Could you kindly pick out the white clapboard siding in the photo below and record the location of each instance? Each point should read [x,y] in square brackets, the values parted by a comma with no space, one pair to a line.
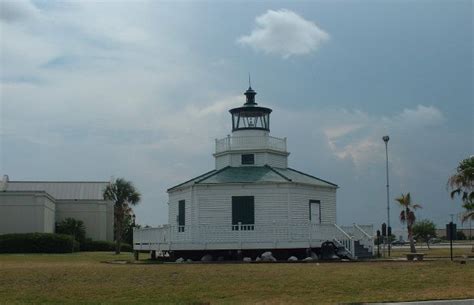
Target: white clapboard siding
[276,160]
[222,161]
[215,203]
[174,198]
[234,159]
[299,203]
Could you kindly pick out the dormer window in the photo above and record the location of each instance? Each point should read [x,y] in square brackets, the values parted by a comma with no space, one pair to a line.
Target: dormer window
[248,159]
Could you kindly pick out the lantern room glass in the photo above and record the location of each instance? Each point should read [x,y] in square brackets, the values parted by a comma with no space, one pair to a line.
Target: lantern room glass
[252,119]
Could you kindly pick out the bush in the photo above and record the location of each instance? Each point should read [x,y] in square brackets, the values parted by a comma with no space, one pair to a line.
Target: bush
[103,245]
[37,243]
[74,227]
[460,235]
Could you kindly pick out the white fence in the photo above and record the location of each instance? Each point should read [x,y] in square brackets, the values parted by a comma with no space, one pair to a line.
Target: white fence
[250,142]
[242,236]
[361,233]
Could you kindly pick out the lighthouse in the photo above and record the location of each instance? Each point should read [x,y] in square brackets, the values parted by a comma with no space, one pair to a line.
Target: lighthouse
[251,143]
[252,201]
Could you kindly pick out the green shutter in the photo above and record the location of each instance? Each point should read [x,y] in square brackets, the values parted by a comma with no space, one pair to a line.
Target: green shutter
[243,210]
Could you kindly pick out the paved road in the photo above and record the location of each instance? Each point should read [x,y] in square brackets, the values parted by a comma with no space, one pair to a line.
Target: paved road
[441,302]
[435,246]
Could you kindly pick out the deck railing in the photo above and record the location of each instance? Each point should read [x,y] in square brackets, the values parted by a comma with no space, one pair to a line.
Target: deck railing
[361,233]
[250,142]
[274,233]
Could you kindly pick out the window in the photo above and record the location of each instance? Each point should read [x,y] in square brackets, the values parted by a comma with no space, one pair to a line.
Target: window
[248,159]
[315,211]
[181,215]
[243,213]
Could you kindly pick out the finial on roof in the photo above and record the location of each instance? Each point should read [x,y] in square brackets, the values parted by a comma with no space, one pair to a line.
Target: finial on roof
[250,83]
[250,94]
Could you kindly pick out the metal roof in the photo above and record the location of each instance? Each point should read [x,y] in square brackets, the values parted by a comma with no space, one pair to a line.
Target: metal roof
[300,177]
[246,174]
[255,174]
[62,190]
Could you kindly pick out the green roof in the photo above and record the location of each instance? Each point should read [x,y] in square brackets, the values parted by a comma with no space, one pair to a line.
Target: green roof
[255,174]
[246,174]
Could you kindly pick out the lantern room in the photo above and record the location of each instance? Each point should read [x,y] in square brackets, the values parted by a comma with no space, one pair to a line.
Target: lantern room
[250,116]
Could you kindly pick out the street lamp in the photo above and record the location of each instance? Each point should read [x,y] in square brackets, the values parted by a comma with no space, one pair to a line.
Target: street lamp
[385,139]
[133,220]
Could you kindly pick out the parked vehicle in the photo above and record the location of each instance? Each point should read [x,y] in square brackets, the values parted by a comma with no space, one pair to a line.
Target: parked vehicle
[434,240]
[398,243]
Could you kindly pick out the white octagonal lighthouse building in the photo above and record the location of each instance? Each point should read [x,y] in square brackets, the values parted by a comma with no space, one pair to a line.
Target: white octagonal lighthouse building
[252,202]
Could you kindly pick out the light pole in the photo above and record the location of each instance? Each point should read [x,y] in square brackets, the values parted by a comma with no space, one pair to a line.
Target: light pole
[385,139]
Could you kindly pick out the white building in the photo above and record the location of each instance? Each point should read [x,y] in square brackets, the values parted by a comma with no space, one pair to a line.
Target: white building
[252,201]
[35,206]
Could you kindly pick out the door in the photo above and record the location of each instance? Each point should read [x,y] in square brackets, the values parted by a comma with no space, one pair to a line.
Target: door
[315,211]
[243,213]
[181,215]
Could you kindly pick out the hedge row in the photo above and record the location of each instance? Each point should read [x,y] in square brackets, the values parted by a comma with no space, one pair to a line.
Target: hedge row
[53,243]
[37,243]
[102,245]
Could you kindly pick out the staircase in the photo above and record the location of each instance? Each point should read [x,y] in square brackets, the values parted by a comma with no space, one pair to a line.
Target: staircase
[360,251]
[357,240]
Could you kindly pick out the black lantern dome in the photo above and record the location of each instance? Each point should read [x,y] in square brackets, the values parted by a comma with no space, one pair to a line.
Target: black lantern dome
[250,116]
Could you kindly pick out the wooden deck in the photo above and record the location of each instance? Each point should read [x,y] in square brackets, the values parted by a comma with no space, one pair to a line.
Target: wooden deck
[242,237]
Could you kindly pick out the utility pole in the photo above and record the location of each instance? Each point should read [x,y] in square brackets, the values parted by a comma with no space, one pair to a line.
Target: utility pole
[385,139]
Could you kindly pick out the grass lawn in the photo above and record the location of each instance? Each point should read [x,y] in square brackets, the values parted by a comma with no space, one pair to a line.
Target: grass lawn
[81,278]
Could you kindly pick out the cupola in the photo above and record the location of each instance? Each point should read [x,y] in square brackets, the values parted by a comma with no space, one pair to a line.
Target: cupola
[250,116]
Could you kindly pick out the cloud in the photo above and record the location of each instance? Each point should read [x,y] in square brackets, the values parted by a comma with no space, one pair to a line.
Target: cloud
[345,146]
[285,33]
[17,10]
[421,115]
[359,137]
[104,89]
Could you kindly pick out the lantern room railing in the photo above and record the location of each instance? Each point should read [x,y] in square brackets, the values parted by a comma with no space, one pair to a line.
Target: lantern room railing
[250,142]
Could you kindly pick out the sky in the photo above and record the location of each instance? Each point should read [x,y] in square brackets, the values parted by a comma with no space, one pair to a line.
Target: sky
[91,90]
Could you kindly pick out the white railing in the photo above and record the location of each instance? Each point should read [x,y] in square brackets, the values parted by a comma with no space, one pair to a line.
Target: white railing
[365,239]
[250,142]
[361,233]
[274,234]
[148,238]
[368,229]
[345,240]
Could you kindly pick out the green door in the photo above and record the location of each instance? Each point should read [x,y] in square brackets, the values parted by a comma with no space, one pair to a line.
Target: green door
[243,212]
[181,215]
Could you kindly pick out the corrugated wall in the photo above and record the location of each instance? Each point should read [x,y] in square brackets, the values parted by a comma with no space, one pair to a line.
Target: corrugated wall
[62,190]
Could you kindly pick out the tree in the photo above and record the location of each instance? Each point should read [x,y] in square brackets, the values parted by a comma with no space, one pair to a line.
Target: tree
[128,226]
[460,235]
[124,195]
[462,184]
[424,230]
[74,227]
[407,215]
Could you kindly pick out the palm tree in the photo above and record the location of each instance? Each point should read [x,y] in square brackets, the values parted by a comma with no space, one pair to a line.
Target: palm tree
[407,215]
[124,195]
[74,227]
[462,184]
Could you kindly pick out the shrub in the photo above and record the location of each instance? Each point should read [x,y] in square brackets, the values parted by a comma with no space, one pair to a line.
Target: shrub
[74,227]
[37,243]
[102,245]
[460,235]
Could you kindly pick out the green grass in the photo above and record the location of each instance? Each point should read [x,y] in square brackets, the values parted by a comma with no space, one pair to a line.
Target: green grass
[81,278]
